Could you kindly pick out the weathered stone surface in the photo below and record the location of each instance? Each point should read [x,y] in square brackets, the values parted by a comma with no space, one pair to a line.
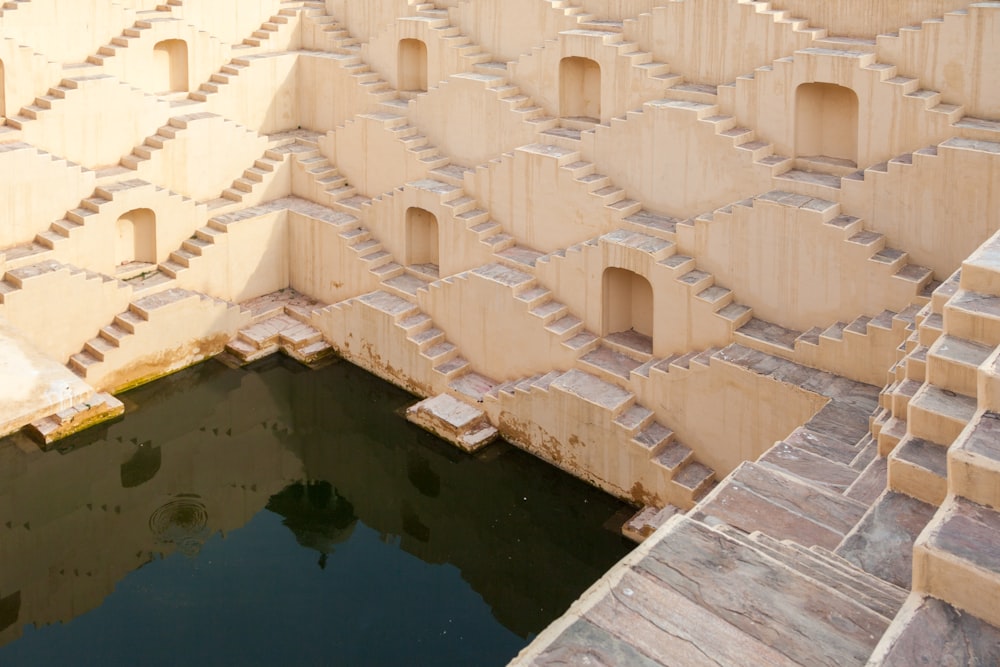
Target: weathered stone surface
[882,542]
[757,498]
[791,613]
[450,419]
[938,634]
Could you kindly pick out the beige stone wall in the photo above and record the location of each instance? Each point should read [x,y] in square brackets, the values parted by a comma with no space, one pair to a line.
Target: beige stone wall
[672,156]
[53,27]
[508,28]
[36,190]
[938,226]
[96,121]
[77,303]
[860,18]
[695,37]
[957,54]
[623,84]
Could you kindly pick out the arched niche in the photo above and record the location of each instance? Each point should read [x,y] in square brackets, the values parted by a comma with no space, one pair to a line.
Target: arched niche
[826,122]
[422,240]
[627,303]
[412,66]
[170,66]
[135,237]
[580,88]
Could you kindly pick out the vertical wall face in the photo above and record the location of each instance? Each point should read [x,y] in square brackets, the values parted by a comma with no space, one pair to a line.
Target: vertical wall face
[170,66]
[421,237]
[826,121]
[136,237]
[412,65]
[3,104]
[628,302]
[579,88]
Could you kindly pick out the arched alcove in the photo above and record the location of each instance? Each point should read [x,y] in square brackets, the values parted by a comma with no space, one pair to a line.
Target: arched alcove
[422,239]
[826,122]
[412,66]
[135,239]
[170,66]
[628,303]
[580,88]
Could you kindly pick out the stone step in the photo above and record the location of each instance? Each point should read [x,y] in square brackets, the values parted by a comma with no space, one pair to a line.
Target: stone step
[756,497]
[939,415]
[803,619]
[973,316]
[882,542]
[929,627]
[811,468]
[919,468]
[881,598]
[645,522]
[609,363]
[872,480]
[974,460]
[593,389]
[952,363]
[691,482]
[957,558]
[819,444]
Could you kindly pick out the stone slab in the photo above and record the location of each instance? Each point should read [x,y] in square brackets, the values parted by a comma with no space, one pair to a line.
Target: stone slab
[450,419]
[757,498]
[936,633]
[882,542]
[789,612]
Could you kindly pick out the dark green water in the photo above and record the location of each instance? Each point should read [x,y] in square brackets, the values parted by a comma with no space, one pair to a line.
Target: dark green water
[281,516]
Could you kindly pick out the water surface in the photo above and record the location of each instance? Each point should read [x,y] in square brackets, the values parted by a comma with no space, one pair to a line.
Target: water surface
[276,516]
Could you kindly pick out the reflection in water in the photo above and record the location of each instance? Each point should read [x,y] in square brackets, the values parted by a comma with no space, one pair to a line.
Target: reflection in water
[142,467]
[182,522]
[426,555]
[10,609]
[317,515]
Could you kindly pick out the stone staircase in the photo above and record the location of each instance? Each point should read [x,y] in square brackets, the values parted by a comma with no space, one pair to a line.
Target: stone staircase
[658,260]
[647,78]
[417,337]
[280,322]
[537,302]
[332,35]
[838,346]
[132,35]
[761,154]
[49,244]
[673,602]
[931,117]
[55,97]
[665,469]
[889,277]
[815,485]
[144,333]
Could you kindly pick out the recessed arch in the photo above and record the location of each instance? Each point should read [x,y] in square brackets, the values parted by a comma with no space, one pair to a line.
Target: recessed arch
[580,88]
[627,303]
[826,122]
[412,66]
[422,240]
[135,237]
[170,66]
